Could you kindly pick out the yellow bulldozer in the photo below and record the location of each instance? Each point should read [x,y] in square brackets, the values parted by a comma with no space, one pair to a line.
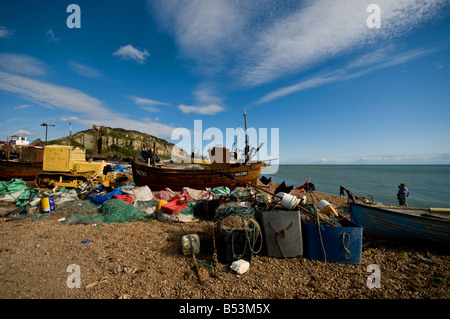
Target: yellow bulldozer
[66,166]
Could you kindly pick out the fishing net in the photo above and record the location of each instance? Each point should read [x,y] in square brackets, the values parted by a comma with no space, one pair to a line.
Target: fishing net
[238,228]
[119,211]
[79,211]
[112,211]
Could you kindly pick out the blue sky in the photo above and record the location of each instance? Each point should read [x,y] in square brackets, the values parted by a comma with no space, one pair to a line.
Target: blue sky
[337,90]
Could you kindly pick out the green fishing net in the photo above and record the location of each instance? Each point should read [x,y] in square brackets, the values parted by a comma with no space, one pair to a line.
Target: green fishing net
[112,211]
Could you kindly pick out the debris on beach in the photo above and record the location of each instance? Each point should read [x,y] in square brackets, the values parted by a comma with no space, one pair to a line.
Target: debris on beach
[245,220]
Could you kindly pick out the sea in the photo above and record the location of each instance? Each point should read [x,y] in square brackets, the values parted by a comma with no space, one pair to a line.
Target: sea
[428,185]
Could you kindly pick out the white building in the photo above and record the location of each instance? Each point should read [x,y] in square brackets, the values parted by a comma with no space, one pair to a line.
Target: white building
[18,140]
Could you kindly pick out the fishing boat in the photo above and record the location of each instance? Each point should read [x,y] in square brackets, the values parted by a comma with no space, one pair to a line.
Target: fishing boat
[27,167]
[197,176]
[403,224]
[222,169]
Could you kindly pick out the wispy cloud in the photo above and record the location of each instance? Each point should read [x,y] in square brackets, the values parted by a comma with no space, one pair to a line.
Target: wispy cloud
[148,104]
[51,95]
[129,52]
[5,33]
[254,43]
[90,110]
[20,107]
[51,37]
[144,101]
[207,102]
[79,106]
[21,64]
[85,70]
[206,94]
[22,132]
[202,109]
[382,58]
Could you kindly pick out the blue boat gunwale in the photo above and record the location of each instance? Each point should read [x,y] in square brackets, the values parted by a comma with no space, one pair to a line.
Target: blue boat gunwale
[409,212]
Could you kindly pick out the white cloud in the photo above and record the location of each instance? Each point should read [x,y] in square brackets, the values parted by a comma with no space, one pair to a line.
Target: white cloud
[84,70]
[90,110]
[327,29]
[5,33]
[201,28]
[51,95]
[21,64]
[19,107]
[258,42]
[69,118]
[207,103]
[382,58]
[202,110]
[51,37]
[22,132]
[147,104]
[205,94]
[144,101]
[128,52]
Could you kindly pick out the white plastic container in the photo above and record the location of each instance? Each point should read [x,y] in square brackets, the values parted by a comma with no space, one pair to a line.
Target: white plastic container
[240,266]
[190,244]
[288,201]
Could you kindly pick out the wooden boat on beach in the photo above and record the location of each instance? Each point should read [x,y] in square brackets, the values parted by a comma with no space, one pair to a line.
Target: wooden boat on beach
[176,177]
[222,169]
[403,224]
[27,167]
[17,169]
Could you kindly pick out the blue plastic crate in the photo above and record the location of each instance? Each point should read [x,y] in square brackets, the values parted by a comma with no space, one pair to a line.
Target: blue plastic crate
[342,244]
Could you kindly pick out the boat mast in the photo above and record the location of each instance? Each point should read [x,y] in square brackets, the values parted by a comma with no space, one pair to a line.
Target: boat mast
[246,137]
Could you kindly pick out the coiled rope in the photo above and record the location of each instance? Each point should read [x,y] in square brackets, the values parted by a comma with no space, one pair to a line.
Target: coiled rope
[248,224]
[252,233]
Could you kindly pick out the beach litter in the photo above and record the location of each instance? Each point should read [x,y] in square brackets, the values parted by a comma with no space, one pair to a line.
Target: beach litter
[238,232]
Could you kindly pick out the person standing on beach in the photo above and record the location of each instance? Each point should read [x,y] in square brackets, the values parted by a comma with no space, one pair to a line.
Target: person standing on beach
[402,195]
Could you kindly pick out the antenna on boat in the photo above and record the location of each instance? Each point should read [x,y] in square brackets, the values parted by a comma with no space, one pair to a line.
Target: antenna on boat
[246,137]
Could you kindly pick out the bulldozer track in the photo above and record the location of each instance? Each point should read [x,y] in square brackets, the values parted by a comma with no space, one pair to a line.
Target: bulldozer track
[46,180]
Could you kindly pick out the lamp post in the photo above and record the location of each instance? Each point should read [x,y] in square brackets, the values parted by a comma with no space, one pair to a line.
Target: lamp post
[46,126]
